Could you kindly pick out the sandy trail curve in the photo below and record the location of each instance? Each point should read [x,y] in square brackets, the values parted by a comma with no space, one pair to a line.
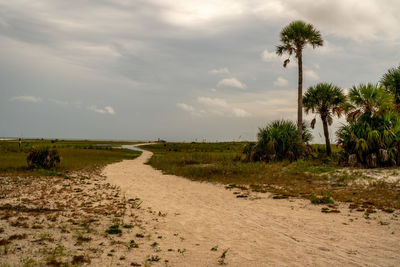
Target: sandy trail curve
[261,232]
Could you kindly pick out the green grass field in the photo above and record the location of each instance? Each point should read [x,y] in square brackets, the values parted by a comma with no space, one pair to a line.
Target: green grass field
[317,176]
[75,155]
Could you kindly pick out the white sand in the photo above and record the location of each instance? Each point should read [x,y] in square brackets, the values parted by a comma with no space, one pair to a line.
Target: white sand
[261,232]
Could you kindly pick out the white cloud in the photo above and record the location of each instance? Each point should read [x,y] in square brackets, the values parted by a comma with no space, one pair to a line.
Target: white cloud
[109,110]
[232,82]
[241,113]
[214,107]
[269,56]
[219,102]
[219,71]
[26,98]
[185,107]
[105,110]
[220,107]
[280,82]
[311,75]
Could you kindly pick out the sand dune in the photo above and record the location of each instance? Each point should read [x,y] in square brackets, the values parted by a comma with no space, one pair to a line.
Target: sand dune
[259,232]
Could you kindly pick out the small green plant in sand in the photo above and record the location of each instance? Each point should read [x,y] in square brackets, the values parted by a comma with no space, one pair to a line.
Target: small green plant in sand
[321,200]
[150,259]
[221,260]
[182,251]
[133,244]
[114,230]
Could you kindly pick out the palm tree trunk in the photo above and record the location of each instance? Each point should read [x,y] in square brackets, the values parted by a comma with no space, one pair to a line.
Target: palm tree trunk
[326,133]
[300,96]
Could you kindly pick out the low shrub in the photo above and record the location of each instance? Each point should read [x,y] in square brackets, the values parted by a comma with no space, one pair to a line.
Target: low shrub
[43,157]
[114,230]
[321,200]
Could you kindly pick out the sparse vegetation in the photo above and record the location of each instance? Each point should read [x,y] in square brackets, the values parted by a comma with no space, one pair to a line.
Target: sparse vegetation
[56,211]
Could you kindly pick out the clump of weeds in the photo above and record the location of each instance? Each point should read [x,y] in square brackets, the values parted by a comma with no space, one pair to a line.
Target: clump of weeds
[222,258]
[114,230]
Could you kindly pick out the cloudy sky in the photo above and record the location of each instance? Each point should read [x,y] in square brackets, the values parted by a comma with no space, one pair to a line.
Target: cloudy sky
[176,69]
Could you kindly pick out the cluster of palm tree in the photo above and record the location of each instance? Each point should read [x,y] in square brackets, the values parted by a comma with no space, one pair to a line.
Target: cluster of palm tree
[372,132]
[371,136]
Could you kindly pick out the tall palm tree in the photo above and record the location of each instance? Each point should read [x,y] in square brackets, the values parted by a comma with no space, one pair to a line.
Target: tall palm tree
[325,99]
[391,81]
[294,37]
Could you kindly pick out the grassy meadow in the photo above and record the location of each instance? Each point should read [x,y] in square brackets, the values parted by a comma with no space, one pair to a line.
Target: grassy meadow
[318,178]
[75,155]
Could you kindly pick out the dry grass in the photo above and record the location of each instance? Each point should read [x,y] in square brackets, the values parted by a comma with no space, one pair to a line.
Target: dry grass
[77,155]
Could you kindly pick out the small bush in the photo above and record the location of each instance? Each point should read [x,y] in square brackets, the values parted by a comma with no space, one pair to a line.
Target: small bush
[43,157]
[321,200]
[114,230]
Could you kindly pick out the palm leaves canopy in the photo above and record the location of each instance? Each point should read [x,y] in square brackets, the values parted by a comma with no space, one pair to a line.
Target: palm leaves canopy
[279,138]
[391,81]
[327,100]
[368,100]
[294,37]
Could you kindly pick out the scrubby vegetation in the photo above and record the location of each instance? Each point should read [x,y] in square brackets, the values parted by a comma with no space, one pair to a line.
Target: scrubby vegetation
[43,157]
[65,155]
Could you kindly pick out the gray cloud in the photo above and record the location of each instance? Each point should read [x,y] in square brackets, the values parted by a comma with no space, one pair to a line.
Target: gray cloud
[106,110]
[26,98]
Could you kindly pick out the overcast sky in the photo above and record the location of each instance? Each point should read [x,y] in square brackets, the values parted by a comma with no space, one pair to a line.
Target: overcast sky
[177,69]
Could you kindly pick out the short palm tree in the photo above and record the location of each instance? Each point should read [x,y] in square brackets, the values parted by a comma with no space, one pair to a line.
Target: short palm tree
[327,100]
[391,81]
[294,37]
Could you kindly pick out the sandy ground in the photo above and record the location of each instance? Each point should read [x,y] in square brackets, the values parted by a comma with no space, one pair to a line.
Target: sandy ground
[257,231]
[64,221]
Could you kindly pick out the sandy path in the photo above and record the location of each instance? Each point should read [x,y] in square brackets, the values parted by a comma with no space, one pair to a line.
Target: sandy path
[261,232]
